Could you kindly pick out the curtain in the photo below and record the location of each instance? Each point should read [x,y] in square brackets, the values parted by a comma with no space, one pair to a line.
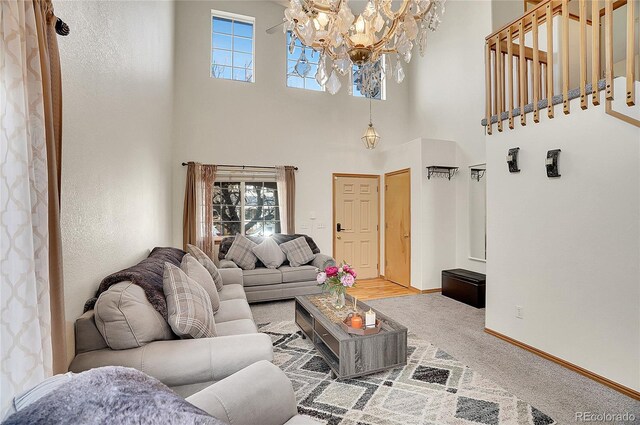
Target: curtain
[28,197]
[205,238]
[282,198]
[52,97]
[197,217]
[286,181]
[190,211]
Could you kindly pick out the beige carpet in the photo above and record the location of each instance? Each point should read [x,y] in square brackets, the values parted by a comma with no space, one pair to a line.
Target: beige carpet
[458,329]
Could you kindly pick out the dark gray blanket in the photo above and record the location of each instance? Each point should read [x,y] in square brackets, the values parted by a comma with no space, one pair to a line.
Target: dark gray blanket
[111,395]
[147,274]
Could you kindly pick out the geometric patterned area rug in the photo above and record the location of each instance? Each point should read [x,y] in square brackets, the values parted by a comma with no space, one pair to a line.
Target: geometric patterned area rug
[433,388]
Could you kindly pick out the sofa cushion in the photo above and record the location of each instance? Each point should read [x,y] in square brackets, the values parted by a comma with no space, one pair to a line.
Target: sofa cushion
[261,276]
[188,305]
[126,319]
[280,238]
[207,262]
[233,310]
[241,253]
[298,252]
[298,274]
[237,327]
[269,253]
[196,271]
[232,292]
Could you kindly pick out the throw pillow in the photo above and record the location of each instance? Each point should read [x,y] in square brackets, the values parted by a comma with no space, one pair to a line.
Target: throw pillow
[188,305]
[196,271]
[298,252]
[241,253]
[269,253]
[208,264]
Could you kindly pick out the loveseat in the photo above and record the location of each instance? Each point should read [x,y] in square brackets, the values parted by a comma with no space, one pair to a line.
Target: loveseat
[265,284]
[185,365]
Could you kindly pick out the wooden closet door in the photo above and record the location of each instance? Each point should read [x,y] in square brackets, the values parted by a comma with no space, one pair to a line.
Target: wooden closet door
[397,229]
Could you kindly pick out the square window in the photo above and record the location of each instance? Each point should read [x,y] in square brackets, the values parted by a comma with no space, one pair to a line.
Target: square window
[232,46]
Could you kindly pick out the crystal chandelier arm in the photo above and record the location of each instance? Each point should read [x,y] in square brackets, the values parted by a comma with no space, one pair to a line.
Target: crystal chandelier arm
[394,26]
[377,47]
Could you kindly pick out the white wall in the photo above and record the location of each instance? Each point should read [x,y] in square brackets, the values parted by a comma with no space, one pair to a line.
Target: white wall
[116,174]
[266,123]
[447,97]
[568,250]
[432,202]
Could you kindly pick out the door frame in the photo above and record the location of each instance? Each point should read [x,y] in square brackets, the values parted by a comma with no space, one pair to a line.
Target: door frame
[333,209]
[393,173]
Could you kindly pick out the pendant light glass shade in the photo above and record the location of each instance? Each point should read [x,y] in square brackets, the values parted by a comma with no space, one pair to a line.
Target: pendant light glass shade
[370,137]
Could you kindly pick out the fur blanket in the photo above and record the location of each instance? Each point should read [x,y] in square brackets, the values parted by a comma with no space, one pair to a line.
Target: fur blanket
[111,395]
[147,274]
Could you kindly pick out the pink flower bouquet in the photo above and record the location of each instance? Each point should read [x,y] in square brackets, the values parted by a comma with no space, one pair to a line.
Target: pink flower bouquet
[336,280]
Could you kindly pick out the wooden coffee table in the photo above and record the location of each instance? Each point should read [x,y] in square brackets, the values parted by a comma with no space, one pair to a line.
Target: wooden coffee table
[349,355]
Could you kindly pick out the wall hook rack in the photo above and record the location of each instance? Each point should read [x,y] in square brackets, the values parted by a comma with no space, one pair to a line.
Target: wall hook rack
[477,173]
[441,171]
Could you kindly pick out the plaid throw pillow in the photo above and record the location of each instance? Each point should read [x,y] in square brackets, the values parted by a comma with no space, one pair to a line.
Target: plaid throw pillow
[196,271]
[241,253]
[208,264]
[188,305]
[298,252]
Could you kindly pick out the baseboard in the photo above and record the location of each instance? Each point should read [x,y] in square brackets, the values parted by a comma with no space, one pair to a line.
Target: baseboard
[431,291]
[582,371]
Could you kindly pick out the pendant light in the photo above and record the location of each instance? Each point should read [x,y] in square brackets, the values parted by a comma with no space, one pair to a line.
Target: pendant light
[371,136]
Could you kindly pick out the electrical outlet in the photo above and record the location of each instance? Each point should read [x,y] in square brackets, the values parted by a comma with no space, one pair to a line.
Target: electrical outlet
[304,226]
[321,226]
[519,312]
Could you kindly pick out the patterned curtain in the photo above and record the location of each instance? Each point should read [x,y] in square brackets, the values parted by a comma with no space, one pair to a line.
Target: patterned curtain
[25,313]
[197,217]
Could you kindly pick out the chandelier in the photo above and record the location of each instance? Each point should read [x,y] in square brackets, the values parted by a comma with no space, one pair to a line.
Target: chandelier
[369,40]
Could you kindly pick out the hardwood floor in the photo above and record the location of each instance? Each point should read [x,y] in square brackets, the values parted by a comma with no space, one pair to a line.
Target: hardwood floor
[373,289]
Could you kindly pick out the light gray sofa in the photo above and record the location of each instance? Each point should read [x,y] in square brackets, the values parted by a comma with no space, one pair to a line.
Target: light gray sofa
[285,282]
[185,365]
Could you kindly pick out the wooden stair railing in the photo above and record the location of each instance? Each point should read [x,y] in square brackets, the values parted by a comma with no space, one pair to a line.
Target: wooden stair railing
[506,53]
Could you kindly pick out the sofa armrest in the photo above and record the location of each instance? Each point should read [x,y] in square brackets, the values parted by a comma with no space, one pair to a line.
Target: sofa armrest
[231,276]
[323,260]
[258,394]
[185,361]
[228,264]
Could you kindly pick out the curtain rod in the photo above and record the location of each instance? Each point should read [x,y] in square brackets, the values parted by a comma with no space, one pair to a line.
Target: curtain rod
[241,166]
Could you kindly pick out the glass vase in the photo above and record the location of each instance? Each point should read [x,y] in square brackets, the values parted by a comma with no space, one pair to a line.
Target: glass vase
[339,300]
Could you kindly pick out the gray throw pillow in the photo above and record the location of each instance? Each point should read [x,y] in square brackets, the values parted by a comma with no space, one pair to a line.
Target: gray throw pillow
[269,253]
[208,264]
[188,305]
[241,253]
[196,271]
[298,252]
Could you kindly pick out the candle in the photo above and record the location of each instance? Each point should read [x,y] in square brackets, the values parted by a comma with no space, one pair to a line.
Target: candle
[370,318]
[356,322]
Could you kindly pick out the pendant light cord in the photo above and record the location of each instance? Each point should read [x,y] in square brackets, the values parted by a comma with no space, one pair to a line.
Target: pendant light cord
[370,121]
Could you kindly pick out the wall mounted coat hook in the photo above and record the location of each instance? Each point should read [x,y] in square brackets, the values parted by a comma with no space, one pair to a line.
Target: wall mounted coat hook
[62,28]
[512,160]
[552,163]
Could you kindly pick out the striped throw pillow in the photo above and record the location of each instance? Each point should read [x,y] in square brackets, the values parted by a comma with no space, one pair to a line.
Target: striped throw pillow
[208,264]
[241,253]
[188,305]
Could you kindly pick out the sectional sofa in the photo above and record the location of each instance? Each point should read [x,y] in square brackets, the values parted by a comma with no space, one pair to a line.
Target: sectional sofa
[185,365]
